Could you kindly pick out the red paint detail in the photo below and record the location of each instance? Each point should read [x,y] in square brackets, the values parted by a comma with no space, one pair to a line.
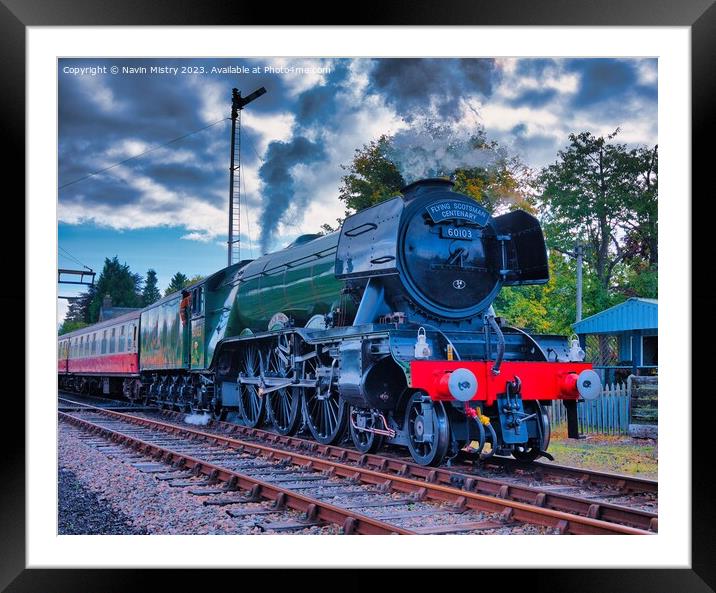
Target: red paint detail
[442,387]
[540,380]
[123,363]
[568,385]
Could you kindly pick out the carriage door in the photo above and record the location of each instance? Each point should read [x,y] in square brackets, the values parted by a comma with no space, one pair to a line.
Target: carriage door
[197,327]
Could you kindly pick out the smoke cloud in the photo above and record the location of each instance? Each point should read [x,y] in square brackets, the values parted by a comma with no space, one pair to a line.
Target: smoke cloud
[276,174]
[432,150]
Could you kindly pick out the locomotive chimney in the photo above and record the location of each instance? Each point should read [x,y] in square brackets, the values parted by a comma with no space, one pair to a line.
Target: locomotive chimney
[107,302]
[419,188]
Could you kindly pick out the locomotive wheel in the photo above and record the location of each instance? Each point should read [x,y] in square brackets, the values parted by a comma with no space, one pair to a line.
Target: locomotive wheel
[428,430]
[325,412]
[251,404]
[283,406]
[526,454]
[364,441]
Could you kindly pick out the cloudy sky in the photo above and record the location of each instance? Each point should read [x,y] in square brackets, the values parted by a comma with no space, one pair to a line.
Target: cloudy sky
[168,209]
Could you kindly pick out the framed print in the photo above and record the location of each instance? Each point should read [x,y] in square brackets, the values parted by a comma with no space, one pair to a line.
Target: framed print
[310,286]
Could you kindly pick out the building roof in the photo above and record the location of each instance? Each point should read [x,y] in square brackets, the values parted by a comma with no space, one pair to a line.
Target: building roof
[632,314]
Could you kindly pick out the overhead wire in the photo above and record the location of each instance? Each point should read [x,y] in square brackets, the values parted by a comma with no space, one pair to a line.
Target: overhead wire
[141,154]
[71,257]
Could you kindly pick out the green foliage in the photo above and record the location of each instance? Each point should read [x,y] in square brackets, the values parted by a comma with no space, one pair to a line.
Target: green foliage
[70,326]
[372,177]
[551,308]
[177,282]
[117,281]
[604,195]
[150,293]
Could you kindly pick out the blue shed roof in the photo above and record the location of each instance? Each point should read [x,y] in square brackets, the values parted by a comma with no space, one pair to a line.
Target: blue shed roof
[632,314]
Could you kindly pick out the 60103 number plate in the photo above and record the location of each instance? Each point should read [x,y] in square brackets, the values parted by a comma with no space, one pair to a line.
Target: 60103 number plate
[457,232]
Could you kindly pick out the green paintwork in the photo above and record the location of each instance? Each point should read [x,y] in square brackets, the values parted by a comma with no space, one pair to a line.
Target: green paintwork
[298,281]
[218,296]
[163,336]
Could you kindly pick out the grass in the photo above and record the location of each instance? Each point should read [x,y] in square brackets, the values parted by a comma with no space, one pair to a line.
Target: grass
[612,453]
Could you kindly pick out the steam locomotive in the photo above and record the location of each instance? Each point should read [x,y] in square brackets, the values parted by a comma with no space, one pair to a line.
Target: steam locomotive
[383,330]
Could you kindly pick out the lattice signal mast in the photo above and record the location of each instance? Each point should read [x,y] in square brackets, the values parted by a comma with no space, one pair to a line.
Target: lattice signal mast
[237,104]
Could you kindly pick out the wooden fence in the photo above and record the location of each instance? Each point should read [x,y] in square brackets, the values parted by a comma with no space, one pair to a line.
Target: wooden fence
[607,414]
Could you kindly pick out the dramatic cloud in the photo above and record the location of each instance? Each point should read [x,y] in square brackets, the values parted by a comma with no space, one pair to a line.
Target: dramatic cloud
[417,86]
[316,113]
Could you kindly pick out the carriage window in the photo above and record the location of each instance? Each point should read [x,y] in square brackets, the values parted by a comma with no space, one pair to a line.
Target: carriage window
[104,341]
[94,343]
[130,338]
[122,339]
[80,349]
[112,342]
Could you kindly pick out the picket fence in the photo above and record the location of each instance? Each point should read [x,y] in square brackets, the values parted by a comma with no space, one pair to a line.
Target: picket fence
[606,414]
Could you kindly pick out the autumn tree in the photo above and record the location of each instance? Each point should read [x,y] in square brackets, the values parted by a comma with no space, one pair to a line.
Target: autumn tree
[370,178]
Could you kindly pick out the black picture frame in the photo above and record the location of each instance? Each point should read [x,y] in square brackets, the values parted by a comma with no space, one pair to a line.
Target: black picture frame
[699,15]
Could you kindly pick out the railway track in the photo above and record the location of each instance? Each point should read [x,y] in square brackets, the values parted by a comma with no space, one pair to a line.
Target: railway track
[75,401]
[584,492]
[354,496]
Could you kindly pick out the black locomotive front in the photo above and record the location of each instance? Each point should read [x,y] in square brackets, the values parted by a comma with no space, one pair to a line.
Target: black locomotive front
[438,253]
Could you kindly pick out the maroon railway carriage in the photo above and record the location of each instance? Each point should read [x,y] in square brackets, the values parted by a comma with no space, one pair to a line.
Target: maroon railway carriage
[102,357]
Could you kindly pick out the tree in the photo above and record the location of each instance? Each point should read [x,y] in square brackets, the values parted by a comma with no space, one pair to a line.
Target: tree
[177,282]
[70,326]
[79,308]
[598,192]
[150,293]
[642,230]
[371,177]
[117,281]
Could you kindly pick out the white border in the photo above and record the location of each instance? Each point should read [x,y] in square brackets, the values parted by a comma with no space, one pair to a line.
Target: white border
[670,548]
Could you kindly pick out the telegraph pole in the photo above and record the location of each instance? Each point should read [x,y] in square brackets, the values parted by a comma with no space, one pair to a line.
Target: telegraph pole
[579,254]
[237,104]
